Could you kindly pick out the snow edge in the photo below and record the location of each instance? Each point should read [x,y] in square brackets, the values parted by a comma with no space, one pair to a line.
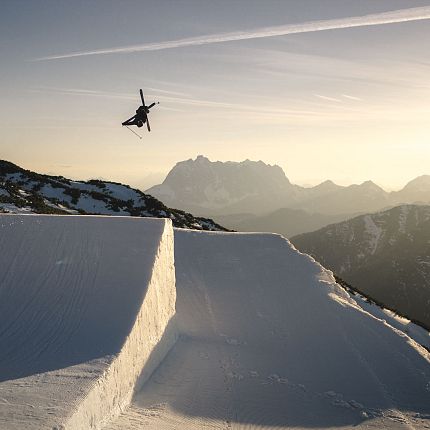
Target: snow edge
[152,336]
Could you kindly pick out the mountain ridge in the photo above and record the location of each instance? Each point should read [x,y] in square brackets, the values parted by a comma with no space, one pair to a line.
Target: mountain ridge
[25,191]
[285,221]
[204,184]
[227,188]
[385,255]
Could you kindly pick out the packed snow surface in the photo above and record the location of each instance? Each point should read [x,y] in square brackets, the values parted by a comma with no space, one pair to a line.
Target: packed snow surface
[268,340]
[89,316]
[86,307]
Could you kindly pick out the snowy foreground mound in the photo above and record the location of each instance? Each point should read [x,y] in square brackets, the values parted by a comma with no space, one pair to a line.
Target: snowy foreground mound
[266,338]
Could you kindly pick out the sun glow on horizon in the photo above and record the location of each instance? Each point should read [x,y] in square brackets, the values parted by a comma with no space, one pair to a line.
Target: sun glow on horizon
[350,104]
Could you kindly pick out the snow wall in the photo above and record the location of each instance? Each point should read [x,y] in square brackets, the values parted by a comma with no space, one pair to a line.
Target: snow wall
[270,341]
[87,309]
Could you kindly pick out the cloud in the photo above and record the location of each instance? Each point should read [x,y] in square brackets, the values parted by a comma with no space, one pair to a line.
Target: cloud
[347,96]
[83,92]
[396,16]
[168,92]
[178,103]
[331,99]
[334,112]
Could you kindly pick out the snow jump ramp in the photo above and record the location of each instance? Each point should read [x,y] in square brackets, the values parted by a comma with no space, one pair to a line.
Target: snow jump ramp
[86,314]
[269,341]
[88,334]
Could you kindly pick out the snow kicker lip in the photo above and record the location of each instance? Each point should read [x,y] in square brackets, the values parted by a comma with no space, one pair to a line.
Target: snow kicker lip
[88,313]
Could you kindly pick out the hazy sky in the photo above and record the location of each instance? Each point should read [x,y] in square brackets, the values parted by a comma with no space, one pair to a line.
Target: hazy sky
[347,103]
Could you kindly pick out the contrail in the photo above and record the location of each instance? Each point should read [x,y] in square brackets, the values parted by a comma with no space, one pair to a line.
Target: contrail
[331,99]
[395,16]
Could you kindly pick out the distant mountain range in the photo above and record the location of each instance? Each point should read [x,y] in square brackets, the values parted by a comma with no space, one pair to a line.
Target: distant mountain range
[24,191]
[249,187]
[285,221]
[385,255]
[203,186]
[416,191]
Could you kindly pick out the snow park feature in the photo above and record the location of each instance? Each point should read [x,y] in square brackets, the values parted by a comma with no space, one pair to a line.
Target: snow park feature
[121,323]
[269,340]
[86,314]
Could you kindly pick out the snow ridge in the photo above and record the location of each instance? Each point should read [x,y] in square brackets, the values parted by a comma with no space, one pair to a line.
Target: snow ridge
[153,334]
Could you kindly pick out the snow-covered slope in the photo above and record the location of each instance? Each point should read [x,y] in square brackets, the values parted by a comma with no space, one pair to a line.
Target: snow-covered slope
[414,331]
[268,340]
[385,255]
[86,314]
[24,191]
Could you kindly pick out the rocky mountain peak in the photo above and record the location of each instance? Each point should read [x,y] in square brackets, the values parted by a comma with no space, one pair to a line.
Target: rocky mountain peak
[419,183]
